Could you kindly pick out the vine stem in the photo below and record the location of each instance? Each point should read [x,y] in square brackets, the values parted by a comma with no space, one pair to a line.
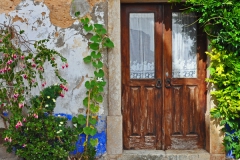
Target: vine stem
[88,113]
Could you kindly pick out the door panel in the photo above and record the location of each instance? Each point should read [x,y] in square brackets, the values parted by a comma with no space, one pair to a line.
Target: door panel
[162,108]
[141,99]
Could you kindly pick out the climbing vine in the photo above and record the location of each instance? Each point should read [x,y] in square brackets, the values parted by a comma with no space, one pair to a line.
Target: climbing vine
[99,42]
[220,21]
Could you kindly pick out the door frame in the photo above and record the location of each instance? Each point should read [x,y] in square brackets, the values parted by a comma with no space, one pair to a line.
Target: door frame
[114,119]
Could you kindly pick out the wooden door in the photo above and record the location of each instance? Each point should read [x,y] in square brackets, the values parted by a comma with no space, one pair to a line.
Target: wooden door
[163,79]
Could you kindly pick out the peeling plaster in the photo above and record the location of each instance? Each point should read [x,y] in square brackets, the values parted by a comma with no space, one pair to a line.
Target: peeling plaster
[60,12]
[94,2]
[7,6]
[16,18]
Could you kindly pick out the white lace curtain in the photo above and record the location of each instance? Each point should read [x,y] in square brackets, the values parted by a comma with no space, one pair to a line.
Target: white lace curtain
[142,45]
[184,45]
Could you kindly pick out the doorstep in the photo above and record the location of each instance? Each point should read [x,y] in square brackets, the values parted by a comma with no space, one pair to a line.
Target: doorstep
[199,154]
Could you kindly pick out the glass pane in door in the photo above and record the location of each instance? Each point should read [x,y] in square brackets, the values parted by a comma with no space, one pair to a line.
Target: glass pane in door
[184,45]
[142,63]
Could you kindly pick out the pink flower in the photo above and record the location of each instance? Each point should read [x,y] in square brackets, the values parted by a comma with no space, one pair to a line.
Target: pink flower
[15,95]
[20,105]
[61,86]
[9,68]
[1,41]
[14,56]
[19,124]
[35,115]
[40,68]
[25,76]
[61,94]
[5,69]
[63,67]
[66,65]
[33,65]
[10,140]
[44,84]
[22,57]
[6,139]
[9,62]
[24,120]
[24,145]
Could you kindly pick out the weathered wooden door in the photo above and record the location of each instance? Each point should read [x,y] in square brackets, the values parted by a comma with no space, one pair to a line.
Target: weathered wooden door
[163,78]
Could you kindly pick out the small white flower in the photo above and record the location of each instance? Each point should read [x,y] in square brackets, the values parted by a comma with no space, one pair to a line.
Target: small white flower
[61,122]
[99,79]
[53,100]
[75,125]
[46,105]
[59,131]
[48,97]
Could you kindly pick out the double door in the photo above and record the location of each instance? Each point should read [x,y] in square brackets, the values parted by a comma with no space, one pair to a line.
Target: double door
[163,78]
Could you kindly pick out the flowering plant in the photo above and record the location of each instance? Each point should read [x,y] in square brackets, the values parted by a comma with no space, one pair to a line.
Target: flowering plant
[33,133]
[40,135]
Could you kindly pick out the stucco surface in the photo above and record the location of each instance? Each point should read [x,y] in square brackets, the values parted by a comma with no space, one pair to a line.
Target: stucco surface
[51,19]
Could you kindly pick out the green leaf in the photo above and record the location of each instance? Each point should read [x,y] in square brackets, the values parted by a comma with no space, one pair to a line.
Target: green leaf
[85,20]
[97,64]
[88,85]
[94,142]
[96,56]
[98,26]
[103,83]
[92,121]
[100,73]
[101,31]
[90,131]
[77,14]
[21,31]
[81,119]
[87,27]
[94,109]
[87,59]
[99,98]
[94,46]
[96,38]
[108,43]
[74,120]
[85,101]
[100,89]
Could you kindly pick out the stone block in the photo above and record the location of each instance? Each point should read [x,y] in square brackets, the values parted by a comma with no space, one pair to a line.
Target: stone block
[143,154]
[114,135]
[217,157]
[216,137]
[114,58]
[187,155]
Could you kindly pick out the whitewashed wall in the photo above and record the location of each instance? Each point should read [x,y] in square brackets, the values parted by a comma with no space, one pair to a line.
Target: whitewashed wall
[52,19]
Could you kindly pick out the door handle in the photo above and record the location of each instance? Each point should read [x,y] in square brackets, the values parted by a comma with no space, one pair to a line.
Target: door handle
[168,83]
[159,84]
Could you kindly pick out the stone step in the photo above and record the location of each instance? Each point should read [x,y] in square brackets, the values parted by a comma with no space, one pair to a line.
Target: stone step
[165,155]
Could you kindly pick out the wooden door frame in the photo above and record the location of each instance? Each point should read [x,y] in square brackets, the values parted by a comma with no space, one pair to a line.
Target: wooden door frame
[114,119]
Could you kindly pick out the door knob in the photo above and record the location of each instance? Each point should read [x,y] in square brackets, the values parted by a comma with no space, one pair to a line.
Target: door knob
[168,83]
[159,84]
